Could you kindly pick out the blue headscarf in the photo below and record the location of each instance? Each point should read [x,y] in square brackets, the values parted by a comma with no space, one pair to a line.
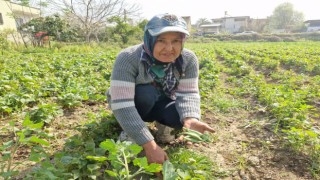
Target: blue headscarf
[148,44]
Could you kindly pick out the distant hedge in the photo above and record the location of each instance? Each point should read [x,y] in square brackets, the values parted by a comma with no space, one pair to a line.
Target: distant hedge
[288,37]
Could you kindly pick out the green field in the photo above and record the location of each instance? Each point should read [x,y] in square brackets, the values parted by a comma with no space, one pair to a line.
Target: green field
[54,114]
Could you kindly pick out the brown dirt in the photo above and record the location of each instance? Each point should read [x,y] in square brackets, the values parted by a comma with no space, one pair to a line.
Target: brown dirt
[246,148]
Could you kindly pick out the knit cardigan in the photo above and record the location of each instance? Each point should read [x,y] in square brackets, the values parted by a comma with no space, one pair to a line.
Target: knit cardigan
[129,71]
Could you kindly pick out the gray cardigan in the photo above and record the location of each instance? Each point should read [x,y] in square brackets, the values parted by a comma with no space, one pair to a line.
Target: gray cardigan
[129,71]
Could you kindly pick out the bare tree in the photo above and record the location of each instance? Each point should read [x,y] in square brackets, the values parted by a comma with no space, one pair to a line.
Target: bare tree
[203,21]
[257,25]
[91,15]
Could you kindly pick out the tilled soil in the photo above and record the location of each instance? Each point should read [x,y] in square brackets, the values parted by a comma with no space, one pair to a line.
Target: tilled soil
[247,148]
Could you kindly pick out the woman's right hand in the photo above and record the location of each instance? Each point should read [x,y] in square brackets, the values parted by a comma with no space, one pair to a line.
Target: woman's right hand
[154,153]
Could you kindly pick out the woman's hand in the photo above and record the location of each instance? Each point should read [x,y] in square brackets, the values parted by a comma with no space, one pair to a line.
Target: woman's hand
[195,124]
[154,153]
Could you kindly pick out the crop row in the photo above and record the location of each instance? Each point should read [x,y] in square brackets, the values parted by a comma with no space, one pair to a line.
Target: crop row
[289,94]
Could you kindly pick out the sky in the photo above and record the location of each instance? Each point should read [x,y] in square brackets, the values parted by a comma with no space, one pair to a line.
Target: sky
[211,9]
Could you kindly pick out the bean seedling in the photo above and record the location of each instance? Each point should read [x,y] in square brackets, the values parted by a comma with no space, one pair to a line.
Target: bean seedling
[195,136]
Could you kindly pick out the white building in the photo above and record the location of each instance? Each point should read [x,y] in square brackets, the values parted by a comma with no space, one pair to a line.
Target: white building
[207,29]
[233,24]
[13,15]
[312,25]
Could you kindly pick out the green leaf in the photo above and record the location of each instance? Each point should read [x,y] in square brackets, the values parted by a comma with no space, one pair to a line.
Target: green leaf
[66,160]
[76,173]
[28,123]
[47,164]
[168,171]
[7,109]
[135,149]
[183,174]
[6,145]
[123,172]
[154,167]
[111,173]
[38,140]
[21,136]
[8,174]
[35,156]
[97,158]
[141,162]
[6,155]
[312,133]
[49,175]
[90,145]
[109,145]
[93,167]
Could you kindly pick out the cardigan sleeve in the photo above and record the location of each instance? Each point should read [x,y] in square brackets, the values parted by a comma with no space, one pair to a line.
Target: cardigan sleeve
[187,93]
[122,91]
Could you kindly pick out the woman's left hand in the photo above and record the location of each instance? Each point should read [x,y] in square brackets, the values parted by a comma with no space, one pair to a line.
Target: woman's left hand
[195,124]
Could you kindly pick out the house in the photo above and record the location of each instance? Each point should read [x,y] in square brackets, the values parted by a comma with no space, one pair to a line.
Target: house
[13,15]
[227,24]
[206,29]
[233,24]
[312,25]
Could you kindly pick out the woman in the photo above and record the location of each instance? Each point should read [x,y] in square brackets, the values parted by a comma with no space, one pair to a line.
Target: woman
[157,81]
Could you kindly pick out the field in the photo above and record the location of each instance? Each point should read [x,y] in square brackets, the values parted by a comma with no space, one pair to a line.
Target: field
[263,99]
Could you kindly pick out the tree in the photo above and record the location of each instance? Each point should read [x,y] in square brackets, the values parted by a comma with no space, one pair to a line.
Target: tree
[4,43]
[53,26]
[92,15]
[142,24]
[123,31]
[285,17]
[202,21]
[257,25]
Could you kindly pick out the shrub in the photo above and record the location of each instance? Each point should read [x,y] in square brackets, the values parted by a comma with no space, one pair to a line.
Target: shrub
[273,39]
[4,44]
[289,39]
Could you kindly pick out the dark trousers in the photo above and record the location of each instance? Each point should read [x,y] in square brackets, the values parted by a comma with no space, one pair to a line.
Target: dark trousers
[153,107]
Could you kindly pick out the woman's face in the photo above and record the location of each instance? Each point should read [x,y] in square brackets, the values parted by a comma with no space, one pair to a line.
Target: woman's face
[168,47]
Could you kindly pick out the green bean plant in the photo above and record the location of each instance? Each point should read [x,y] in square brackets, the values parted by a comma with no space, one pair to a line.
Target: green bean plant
[31,136]
[123,157]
